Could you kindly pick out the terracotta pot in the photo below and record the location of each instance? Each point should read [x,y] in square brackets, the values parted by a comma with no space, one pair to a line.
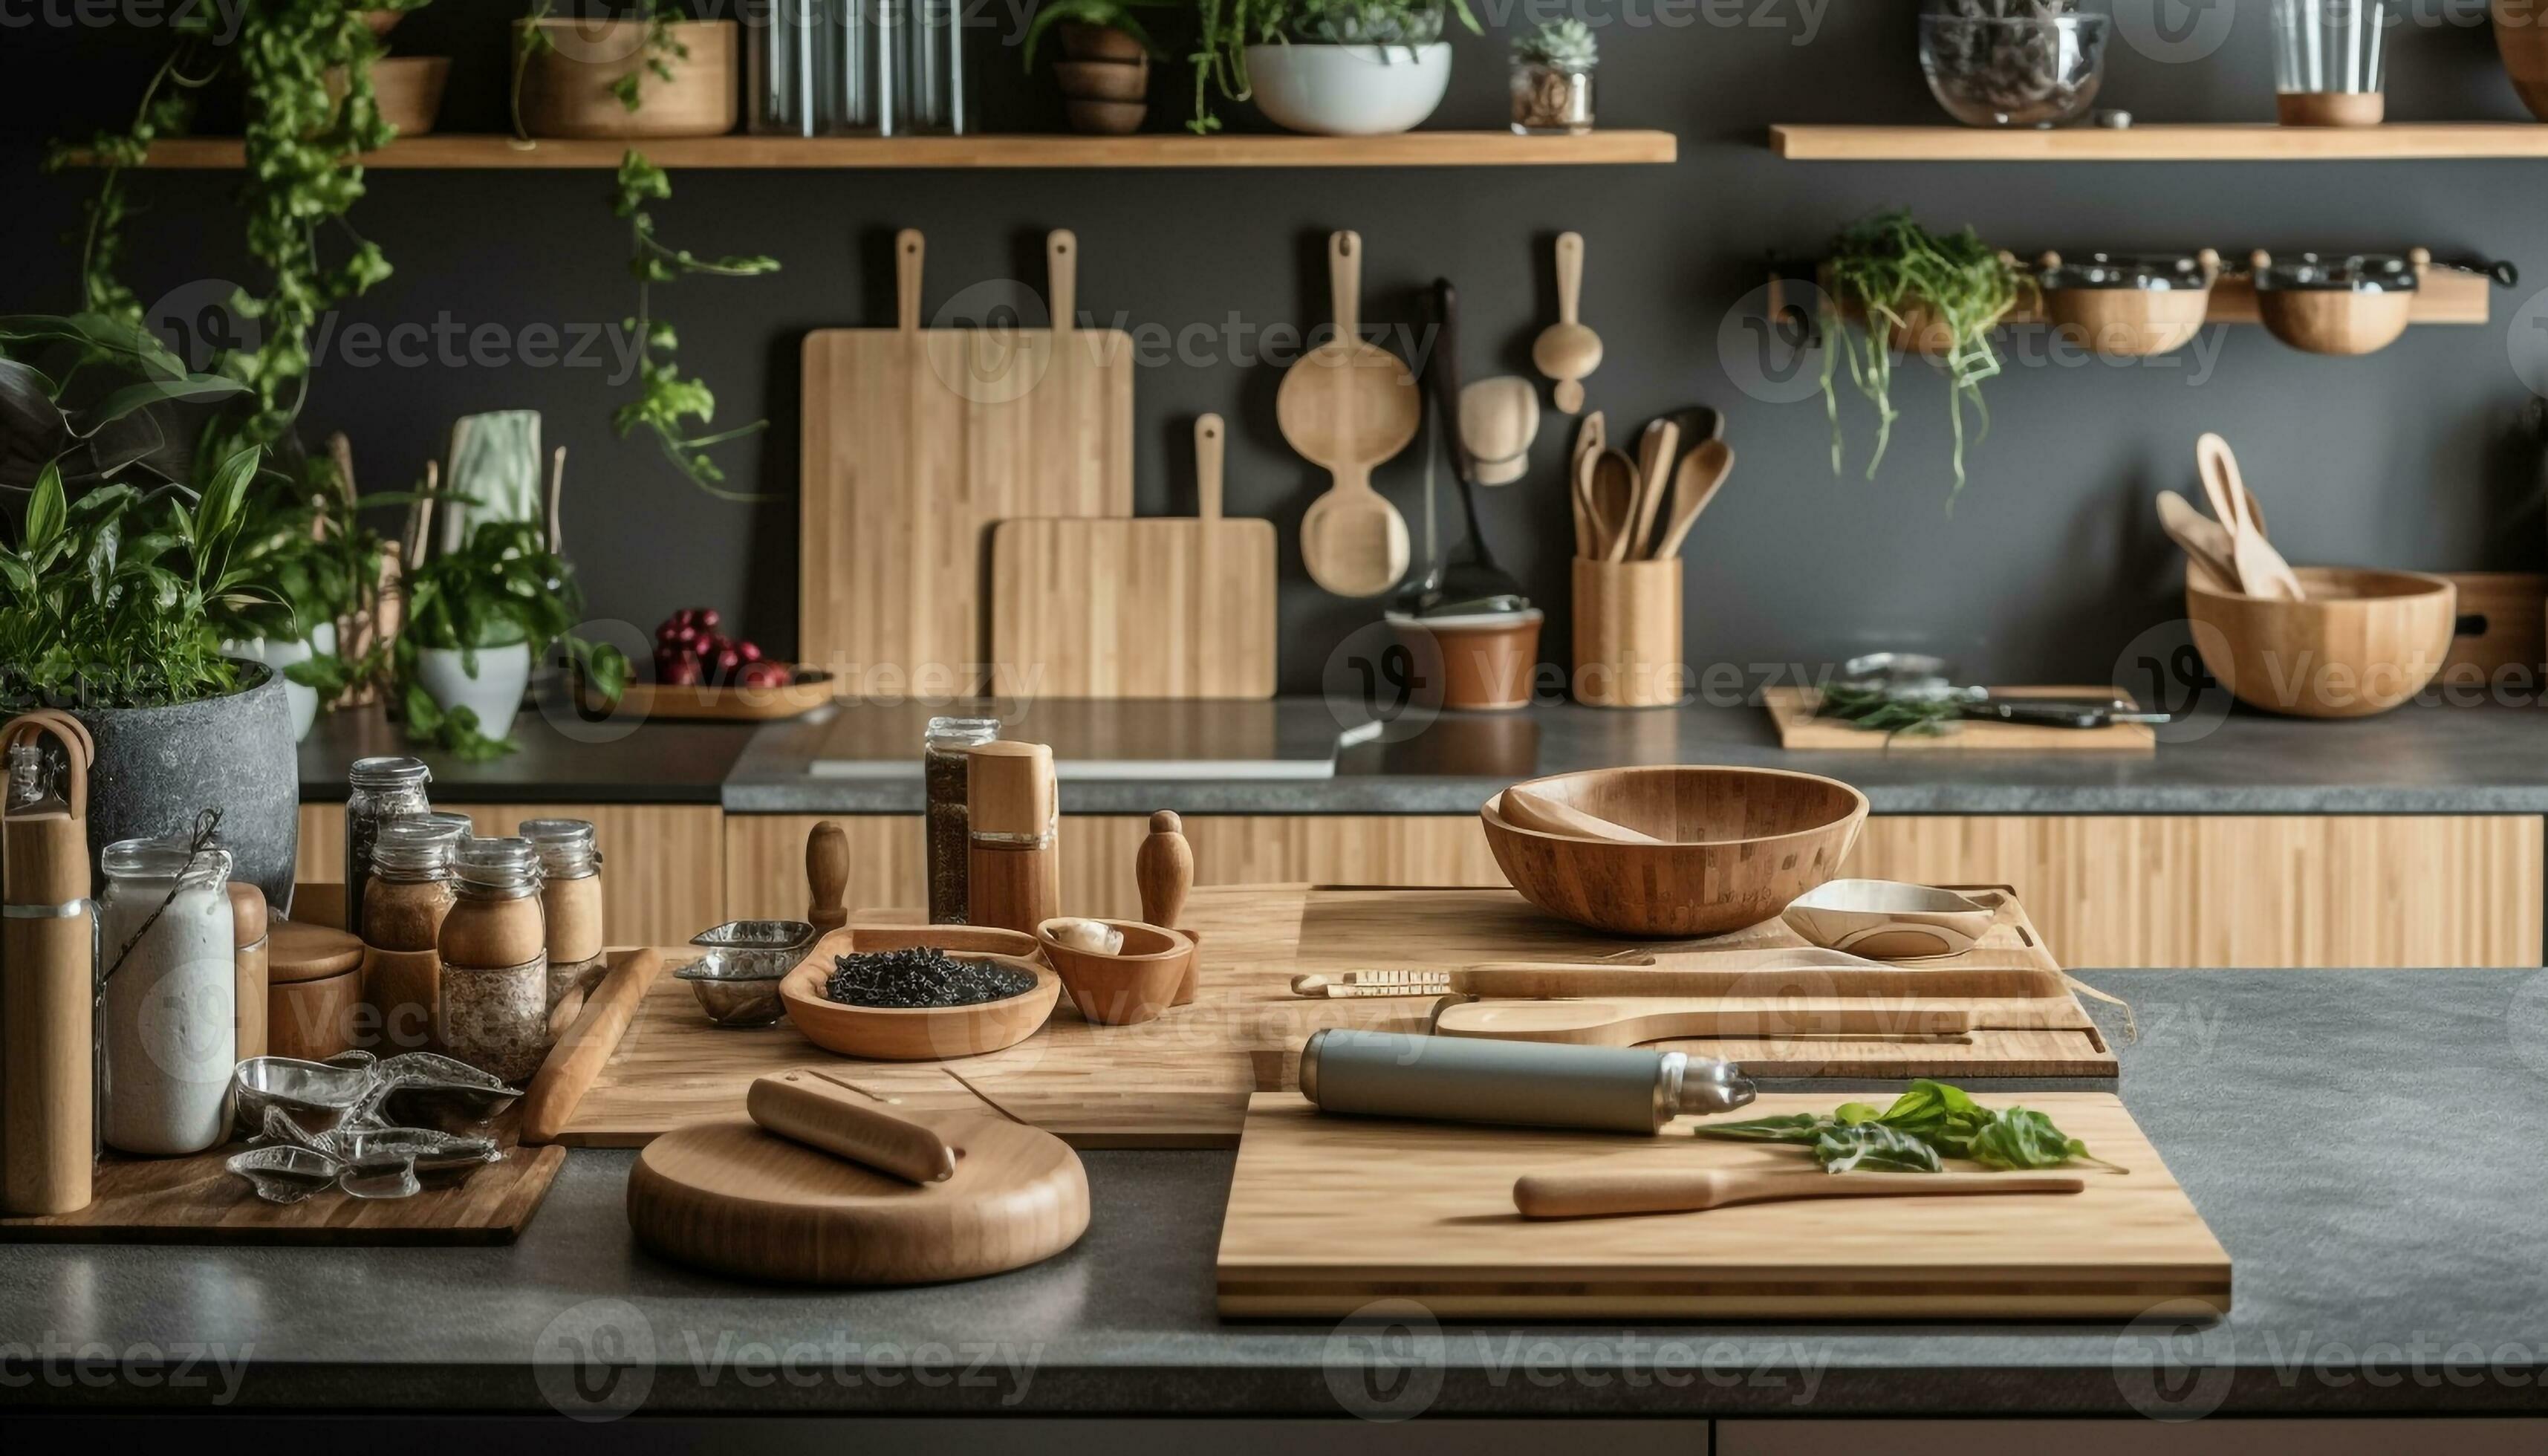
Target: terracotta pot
[566,85]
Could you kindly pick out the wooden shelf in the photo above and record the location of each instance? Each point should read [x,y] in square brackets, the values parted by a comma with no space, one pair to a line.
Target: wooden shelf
[2215,143]
[1409,149]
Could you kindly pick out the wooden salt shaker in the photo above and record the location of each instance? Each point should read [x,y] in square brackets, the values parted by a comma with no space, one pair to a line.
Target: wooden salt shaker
[1014,808]
[827,877]
[1164,872]
[249,935]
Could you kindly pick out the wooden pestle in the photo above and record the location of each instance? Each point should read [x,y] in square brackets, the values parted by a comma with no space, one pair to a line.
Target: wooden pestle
[1163,872]
[827,877]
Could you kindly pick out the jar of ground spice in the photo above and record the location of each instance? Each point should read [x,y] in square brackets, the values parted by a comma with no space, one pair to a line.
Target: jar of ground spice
[946,770]
[570,888]
[495,1010]
[378,790]
[410,889]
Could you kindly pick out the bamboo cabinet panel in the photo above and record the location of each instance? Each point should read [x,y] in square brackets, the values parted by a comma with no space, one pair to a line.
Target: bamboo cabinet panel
[2123,892]
[663,866]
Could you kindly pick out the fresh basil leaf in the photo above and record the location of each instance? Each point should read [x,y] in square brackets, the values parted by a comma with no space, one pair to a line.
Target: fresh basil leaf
[1875,1148]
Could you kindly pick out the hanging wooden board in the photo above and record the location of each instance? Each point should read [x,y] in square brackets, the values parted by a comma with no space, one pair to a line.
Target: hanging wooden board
[1184,1079]
[915,442]
[1799,731]
[1328,1214]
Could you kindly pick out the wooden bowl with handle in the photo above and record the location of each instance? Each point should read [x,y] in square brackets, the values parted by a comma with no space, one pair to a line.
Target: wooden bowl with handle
[1740,844]
[2363,643]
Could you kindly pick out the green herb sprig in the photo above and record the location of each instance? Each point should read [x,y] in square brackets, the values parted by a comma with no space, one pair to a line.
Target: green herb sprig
[1936,1119]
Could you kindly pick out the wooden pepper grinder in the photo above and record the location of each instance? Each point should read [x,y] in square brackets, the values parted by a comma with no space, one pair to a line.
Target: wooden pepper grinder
[248,936]
[47,1096]
[1014,809]
[1164,872]
[827,877]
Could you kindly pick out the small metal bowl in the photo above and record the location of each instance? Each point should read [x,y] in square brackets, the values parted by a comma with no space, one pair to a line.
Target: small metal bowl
[420,1089]
[317,1097]
[745,948]
[286,1174]
[736,988]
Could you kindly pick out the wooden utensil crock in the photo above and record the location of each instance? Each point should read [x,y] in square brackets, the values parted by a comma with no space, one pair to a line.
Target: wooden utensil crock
[566,83]
[2363,643]
[48,992]
[1627,634]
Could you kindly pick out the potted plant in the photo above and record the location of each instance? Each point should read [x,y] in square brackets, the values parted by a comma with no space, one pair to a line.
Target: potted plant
[1105,68]
[1552,80]
[582,76]
[477,618]
[1332,68]
[1912,292]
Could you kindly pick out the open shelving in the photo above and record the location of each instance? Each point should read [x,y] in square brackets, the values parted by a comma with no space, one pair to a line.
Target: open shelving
[2235,142]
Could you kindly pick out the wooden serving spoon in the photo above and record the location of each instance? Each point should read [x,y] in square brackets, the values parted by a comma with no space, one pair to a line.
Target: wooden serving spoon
[2260,570]
[1630,1022]
[1657,449]
[1566,351]
[1522,809]
[1701,475]
[1590,439]
[1695,1189]
[1612,497]
[1347,406]
[2205,541]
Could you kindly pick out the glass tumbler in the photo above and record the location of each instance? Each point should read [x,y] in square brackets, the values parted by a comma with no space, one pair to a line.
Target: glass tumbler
[2331,60]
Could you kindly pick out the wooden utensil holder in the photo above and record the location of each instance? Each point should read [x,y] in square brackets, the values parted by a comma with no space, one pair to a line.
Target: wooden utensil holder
[1627,634]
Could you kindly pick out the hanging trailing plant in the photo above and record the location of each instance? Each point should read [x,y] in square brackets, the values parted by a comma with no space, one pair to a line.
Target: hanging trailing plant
[1909,289]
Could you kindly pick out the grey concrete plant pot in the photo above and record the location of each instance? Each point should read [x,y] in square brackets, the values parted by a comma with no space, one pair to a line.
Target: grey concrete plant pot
[158,767]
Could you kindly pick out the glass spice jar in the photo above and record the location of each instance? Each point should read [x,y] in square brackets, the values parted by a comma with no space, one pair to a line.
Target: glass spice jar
[946,772]
[410,892]
[378,790]
[1551,100]
[494,1009]
[570,898]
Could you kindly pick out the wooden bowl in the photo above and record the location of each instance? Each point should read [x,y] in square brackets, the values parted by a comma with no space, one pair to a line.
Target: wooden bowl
[917,1033]
[1741,845]
[1888,920]
[2365,641]
[2333,321]
[1131,986]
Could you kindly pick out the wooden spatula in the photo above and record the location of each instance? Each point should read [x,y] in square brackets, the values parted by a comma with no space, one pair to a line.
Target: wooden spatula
[2261,570]
[1593,1195]
[2205,541]
[1588,442]
[1701,475]
[1627,1022]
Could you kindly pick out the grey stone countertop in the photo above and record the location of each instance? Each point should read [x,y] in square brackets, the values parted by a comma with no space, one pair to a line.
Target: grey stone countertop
[2421,760]
[2362,1142]
[558,759]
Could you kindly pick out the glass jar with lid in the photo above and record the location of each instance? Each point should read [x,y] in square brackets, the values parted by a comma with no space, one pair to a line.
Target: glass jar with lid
[494,1013]
[170,963]
[378,790]
[410,890]
[946,772]
[570,900]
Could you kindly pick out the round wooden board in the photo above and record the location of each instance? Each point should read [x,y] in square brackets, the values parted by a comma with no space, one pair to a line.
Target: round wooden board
[727,1197]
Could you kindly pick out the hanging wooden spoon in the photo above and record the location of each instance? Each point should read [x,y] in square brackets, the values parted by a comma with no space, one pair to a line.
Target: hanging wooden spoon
[1701,475]
[2260,569]
[1347,406]
[1566,351]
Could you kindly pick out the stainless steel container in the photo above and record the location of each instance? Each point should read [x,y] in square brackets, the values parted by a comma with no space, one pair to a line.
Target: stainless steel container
[1531,1084]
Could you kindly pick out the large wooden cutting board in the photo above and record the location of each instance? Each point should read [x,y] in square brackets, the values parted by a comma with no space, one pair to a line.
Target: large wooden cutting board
[915,442]
[1329,1214]
[1183,1080]
[1792,709]
[1162,607]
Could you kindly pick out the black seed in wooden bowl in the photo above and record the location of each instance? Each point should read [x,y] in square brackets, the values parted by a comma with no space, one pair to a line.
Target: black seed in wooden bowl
[922,976]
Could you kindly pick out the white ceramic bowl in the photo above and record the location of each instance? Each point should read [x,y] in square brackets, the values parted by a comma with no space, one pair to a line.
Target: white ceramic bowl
[495,694]
[1348,90]
[1887,920]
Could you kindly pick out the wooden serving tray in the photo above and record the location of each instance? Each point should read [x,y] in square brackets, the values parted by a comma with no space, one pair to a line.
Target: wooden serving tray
[1799,731]
[729,704]
[1328,1213]
[1184,1079]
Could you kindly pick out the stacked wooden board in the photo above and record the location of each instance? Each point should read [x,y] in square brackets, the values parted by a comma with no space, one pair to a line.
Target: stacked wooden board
[1184,1081]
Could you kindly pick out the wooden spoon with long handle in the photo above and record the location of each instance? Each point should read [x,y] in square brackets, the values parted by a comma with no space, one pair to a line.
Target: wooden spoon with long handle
[1630,1022]
[2261,570]
[1588,442]
[1566,351]
[1592,1195]
[1656,450]
[1347,406]
[1522,809]
[1613,498]
[1701,475]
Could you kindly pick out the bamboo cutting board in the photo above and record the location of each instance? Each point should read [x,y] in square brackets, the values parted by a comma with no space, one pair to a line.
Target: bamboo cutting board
[1799,731]
[915,442]
[1137,609]
[1328,1213]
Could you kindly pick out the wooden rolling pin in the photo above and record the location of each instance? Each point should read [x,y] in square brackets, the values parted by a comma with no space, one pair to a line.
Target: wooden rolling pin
[804,1107]
[1628,1022]
[1695,1189]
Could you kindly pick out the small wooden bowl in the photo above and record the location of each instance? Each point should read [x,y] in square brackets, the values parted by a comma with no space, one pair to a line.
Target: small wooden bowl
[1131,986]
[915,1034]
[1741,845]
[1888,920]
[2363,643]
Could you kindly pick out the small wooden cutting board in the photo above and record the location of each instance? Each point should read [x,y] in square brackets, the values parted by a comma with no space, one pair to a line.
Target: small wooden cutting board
[1799,731]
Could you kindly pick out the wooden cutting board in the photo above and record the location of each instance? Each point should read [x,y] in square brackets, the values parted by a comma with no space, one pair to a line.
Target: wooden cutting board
[1184,1079]
[1137,609]
[915,442]
[1328,1213]
[1799,731]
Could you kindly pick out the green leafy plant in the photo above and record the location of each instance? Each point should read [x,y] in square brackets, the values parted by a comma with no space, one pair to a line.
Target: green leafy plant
[1564,44]
[1942,1118]
[1113,15]
[501,588]
[1224,28]
[1911,288]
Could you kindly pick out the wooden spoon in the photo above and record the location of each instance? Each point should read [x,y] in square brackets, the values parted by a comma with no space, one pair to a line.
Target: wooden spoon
[1701,475]
[1613,495]
[1522,809]
[1566,351]
[1588,1195]
[1657,449]
[1629,1022]
[2205,541]
[1588,442]
[1347,406]
[2260,569]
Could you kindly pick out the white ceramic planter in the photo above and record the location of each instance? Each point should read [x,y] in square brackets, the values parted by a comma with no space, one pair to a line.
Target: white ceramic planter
[303,702]
[1348,90]
[495,694]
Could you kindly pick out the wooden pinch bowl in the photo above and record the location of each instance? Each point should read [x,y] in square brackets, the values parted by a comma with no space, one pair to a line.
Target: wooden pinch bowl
[1740,846]
[1887,920]
[917,1033]
[2364,641]
[1132,985]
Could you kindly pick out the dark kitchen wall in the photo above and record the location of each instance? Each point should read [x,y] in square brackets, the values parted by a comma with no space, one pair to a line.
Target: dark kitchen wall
[2049,563]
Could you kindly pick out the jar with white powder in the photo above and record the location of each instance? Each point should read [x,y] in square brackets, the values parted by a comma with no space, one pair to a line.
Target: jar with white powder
[172,996]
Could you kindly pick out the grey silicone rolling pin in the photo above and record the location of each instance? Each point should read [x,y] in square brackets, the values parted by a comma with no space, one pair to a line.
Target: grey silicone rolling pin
[1529,1084]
